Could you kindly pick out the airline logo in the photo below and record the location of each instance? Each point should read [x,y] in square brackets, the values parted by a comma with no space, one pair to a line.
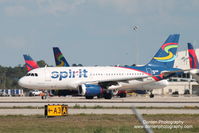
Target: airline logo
[192,56]
[59,58]
[192,59]
[167,48]
[81,73]
[30,63]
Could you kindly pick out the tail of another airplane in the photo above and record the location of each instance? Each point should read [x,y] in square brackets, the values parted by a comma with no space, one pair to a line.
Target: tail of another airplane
[166,55]
[59,58]
[192,57]
[30,63]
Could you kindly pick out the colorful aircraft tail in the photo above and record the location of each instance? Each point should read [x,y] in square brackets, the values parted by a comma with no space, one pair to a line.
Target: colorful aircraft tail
[30,63]
[59,58]
[166,55]
[193,61]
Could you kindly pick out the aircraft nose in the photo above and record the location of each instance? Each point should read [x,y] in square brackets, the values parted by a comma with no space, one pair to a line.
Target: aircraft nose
[22,82]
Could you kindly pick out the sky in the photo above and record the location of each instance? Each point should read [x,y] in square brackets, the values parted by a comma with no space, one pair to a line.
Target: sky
[94,32]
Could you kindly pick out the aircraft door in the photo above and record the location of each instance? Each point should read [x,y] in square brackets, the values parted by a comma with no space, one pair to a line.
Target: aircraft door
[47,75]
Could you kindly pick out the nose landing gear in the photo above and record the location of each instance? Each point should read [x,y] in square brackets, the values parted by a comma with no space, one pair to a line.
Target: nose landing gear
[44,95]
[151,95]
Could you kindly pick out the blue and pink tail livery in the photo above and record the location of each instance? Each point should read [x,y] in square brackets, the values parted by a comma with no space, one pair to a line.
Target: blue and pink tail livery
[193,61]
[166,55]
[30,63]
[59,58]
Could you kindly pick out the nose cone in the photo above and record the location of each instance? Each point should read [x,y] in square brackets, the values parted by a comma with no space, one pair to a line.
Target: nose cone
[22,82]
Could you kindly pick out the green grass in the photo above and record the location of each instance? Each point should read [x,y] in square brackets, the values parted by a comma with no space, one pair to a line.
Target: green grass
[84,123]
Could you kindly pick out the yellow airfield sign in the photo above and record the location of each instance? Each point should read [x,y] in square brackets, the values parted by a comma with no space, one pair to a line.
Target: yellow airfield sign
[56,110]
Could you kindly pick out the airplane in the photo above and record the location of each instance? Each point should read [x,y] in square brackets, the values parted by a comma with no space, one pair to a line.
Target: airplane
[59,58]
[193,61]
[101,80]
[30,63]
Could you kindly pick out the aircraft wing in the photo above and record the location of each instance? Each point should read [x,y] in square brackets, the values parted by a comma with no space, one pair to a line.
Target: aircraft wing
[114,80]
[154,78]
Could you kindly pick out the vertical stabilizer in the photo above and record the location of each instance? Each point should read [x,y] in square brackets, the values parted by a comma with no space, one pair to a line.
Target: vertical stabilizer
[193,60]
[59,58]
[166,55]
[30,63]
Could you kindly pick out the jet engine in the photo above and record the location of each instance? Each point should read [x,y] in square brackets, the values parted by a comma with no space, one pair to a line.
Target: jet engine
[90,90]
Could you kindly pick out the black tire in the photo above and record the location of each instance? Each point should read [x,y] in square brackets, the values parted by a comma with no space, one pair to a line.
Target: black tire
[108,95]
[89,97]
[151,95]
[44,97]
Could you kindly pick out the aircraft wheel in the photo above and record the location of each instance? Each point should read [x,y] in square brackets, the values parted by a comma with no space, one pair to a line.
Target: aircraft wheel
[44,97]
[151,95]
[108,95]
[89,97]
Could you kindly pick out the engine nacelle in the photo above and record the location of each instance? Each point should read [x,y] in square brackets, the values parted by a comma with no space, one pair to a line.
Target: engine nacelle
[90,90]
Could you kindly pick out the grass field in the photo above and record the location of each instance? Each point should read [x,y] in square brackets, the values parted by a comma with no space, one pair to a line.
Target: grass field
[92,124]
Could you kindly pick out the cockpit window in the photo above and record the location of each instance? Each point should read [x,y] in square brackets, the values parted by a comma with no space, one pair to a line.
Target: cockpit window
[32,74]
[28,74]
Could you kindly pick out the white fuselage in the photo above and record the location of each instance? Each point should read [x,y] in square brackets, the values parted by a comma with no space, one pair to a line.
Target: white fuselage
[72,77]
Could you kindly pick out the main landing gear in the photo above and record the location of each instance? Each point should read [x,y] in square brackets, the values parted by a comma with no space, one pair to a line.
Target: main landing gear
[108,95]
[151,95]
[89,97]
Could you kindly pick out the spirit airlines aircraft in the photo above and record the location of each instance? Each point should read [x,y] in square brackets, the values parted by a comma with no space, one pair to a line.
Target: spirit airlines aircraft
[95,81]
[193,61]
